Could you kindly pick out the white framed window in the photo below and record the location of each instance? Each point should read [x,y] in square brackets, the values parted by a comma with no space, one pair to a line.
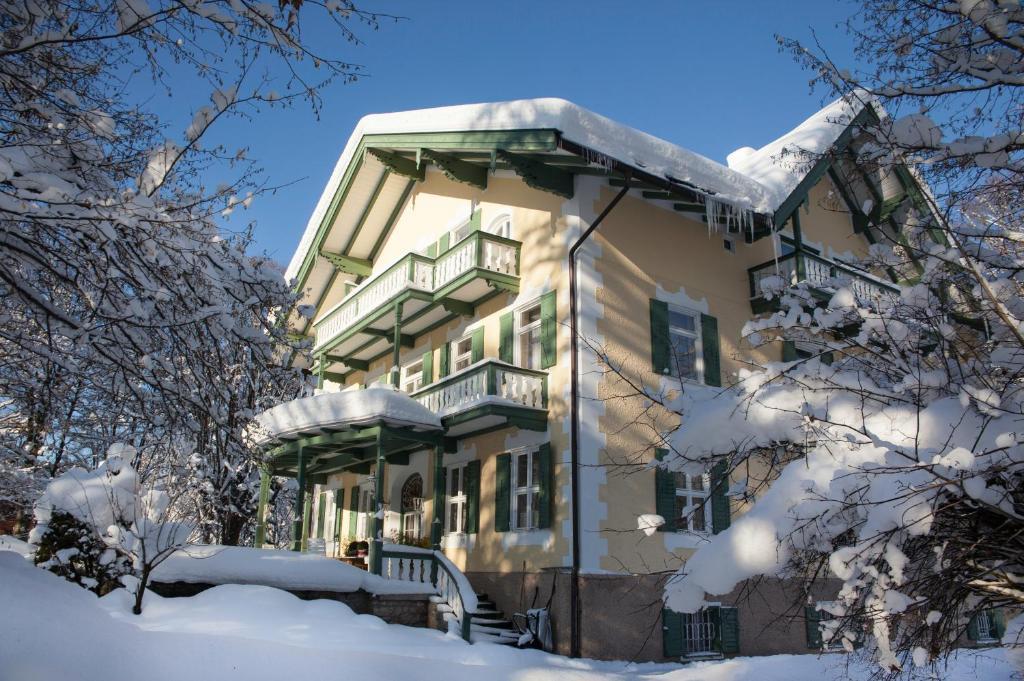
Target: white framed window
[528,336]
[367,508]
[455,500]
[686,360]
[824,613]
[462,353]
[525,489]
[412,376]
[693,507]
[501,226]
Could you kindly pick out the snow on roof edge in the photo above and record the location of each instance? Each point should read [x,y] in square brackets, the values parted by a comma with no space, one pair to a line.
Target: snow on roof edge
[577,124]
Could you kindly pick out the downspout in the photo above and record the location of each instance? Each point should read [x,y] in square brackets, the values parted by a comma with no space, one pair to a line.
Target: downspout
[574,446]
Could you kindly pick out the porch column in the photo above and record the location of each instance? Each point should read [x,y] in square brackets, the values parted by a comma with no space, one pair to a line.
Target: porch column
[300,502]
[396,370]
[377,546]
[308,511]
[261,509]
[437,525]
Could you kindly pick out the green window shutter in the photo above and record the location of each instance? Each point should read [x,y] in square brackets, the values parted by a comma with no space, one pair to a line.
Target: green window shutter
[321,516]
[432,250]
[474,221]
[659,337]
[712,360]
[789,351]
[442,243]
[339,509]
[729,630]
[721,514]
[446,356]
[428,367]
[812,617]
[972,628]
[548,331]
[472,497]
[665,494]
[353,511]
[671,633]
[478,345]
[502,492]
[547,488]
[998,619]
[827,358]
[506,339]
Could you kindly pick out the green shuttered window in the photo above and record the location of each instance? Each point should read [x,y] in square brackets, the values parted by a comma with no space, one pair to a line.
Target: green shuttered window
[321,516]
[353,511]
[428,367]
[684,343]
[714,629]
[478,345]
[691,502]
[524,496]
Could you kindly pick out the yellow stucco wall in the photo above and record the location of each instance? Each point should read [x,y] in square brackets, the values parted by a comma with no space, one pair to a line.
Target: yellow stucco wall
[646,251]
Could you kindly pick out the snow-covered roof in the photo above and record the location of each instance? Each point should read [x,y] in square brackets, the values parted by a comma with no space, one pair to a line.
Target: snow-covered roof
[377,404]
[780,165]
[576,124]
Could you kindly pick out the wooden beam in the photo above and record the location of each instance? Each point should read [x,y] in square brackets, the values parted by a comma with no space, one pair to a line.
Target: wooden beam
[357,364]
[407,341]
[398,164]
[684,207]
[458,307]
[360,267]
[459,171]
[539,175]
[367,210]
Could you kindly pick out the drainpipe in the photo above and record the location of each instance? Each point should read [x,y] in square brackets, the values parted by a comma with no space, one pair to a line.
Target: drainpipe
[574,446]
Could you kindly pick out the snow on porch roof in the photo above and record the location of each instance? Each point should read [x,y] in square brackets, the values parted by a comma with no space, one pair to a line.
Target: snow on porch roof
[378,404]
[576,124]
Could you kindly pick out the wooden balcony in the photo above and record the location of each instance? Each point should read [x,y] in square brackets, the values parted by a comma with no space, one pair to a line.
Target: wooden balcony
[824,277]
[431,290]
[487,395]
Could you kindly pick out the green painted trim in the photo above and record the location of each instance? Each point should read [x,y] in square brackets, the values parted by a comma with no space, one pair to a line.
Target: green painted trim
[329,216]
[458,171]
[541,176]
[398,164]
[515,140]
[360,267]
[261,509]
[457,307]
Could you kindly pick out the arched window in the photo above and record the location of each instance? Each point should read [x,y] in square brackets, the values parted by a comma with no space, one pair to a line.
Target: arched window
[412,506]
[501,226]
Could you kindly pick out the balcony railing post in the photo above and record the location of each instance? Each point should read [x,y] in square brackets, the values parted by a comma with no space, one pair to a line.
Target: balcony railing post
[544,391]
[479,249]
[492,382]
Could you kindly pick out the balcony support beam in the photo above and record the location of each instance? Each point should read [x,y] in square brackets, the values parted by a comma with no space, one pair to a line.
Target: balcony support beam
[359,267]
[458,307]
[405,339]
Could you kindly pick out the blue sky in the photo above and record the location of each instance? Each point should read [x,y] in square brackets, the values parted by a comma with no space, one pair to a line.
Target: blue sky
[707,75]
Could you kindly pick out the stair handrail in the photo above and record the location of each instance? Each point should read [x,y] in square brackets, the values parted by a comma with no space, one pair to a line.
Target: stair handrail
[461,599]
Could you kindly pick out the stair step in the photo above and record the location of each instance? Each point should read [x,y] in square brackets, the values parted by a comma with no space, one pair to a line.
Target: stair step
[486,605]
[481,637]
[499,627]
[489,615]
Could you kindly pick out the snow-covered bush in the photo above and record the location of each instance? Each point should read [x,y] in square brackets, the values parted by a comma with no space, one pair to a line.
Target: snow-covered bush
[95,527]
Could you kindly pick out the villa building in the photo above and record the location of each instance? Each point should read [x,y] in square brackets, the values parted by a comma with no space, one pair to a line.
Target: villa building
[443,259]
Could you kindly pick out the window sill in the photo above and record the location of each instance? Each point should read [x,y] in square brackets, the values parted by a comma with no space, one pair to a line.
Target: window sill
[696,657]
[457,540]
[531,537]
[685,540]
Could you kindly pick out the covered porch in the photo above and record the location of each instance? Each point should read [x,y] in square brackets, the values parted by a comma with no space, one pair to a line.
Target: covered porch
[366,432]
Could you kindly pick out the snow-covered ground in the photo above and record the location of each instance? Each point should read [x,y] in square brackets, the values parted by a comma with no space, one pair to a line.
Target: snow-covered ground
[52,630]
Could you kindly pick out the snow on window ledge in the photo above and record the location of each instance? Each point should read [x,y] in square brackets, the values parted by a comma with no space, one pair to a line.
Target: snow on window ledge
[458,540]
[544,538]
[684,540]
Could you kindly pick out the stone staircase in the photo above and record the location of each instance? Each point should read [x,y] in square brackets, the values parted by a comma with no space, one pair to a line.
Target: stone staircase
[489,624]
